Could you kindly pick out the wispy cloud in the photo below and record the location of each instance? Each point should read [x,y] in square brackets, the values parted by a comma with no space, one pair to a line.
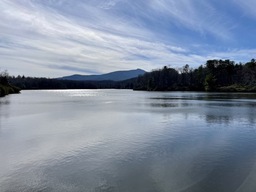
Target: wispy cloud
[248,7]
[61,37]
[200,16]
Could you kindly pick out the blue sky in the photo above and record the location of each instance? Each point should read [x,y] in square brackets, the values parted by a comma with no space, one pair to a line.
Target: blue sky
[55,38]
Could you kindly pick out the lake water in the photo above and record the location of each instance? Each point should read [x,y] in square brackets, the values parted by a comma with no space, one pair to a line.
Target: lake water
[127,141]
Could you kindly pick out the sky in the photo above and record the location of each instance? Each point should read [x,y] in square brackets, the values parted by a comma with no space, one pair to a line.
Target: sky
[54,38]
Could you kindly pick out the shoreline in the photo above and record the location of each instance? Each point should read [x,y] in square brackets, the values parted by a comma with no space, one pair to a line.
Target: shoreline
[8,89]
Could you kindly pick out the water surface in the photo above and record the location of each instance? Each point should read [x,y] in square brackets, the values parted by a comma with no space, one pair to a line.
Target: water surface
[121,140]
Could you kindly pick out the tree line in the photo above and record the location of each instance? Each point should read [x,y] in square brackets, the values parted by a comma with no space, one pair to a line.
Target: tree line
[215,75]
[28,83]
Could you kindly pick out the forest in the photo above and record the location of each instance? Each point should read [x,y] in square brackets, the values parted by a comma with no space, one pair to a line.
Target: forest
[28,83]
[214,75]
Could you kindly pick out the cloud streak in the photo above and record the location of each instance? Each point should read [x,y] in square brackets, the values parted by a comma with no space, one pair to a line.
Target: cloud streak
[58,37]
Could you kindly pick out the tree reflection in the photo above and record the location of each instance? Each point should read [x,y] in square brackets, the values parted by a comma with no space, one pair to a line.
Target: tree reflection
[213,119]
[4,105]
[229,111]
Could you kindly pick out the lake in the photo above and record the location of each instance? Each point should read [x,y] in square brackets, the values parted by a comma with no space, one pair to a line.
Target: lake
[127,141]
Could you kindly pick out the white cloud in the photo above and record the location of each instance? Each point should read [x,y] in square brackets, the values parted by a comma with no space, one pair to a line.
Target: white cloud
[45,37]
[55,40]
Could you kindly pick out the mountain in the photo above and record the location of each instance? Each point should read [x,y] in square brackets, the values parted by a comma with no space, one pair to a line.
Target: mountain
[113,76]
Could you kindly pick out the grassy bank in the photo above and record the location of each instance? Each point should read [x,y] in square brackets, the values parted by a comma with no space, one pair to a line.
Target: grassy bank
[237,88]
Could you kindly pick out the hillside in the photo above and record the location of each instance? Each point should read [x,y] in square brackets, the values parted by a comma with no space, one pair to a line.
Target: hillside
[113,76]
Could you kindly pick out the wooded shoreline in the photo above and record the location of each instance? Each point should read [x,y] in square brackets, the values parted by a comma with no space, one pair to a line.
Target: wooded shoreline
[213,76]
[8,89]
[5,87]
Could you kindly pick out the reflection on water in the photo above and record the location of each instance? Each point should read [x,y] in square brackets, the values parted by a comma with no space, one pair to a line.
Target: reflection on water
[4,102]
[120,140]
[217,107]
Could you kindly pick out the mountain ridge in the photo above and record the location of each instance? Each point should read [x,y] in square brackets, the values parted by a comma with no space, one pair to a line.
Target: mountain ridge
[111,76]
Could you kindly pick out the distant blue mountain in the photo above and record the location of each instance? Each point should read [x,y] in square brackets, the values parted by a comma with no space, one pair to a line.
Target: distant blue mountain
[113,76]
